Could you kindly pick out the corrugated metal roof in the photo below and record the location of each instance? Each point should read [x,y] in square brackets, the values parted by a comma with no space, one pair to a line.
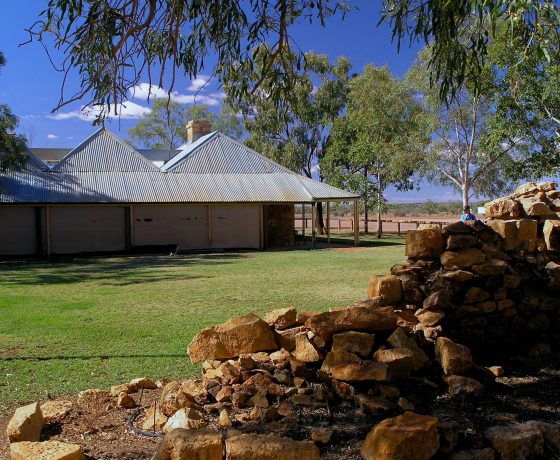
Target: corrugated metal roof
[217,153]
[103,151]
[50,154]
[236,175]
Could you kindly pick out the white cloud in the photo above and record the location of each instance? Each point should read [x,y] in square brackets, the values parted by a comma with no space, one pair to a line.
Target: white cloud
[52,136]
[199,83]
[126,110]
[144,90]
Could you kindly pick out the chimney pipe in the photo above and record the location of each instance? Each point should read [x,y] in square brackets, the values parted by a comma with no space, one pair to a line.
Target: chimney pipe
[198,128]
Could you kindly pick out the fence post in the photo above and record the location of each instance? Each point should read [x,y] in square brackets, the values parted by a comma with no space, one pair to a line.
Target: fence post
[399,228]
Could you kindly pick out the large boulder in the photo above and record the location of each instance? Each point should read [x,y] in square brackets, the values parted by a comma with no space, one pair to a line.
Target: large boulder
[504,208]
[26,424]
[368,319]
[455,359]
[514,232]
[341,365]
[516,442]
[387,287]
[424,243]
[464,258]
[551,231]
[360,343]
[269,447]
[282,318]
[239,335]
[54,411]
[183,444]
[407,437]
[48,450]
[305,350]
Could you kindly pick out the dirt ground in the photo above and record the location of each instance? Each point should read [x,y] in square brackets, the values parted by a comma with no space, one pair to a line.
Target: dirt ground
[529,390]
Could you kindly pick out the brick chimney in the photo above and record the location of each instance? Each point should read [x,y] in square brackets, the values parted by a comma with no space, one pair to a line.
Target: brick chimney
[198,128]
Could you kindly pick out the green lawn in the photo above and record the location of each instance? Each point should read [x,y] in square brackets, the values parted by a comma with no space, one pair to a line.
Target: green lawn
[71,324]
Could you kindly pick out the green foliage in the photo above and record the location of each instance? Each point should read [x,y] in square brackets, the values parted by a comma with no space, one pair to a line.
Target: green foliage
[294,131]
[380,139]
[458,59]
[13,148]
[165,127]
[431,208]
[472,146]
[112,44]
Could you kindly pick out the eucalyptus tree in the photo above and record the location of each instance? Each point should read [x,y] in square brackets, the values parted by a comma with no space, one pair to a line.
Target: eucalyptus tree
[13,149]
[294,130]
[379,141]
[457,59]
[165,126]
[111,45]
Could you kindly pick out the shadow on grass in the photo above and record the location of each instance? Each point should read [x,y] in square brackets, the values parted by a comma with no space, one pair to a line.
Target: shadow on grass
[113,270]
[87,357]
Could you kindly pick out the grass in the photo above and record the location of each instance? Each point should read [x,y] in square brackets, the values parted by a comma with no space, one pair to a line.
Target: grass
[76,323]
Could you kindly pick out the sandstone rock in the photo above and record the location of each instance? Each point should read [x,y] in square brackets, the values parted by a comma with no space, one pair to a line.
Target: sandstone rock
[448,436]
[239,335]
[534,187]
[259,399]
[269,447]
[498,371]
[457,276]
[305,350]
[188,418]
[125,401]
[464,258]
[240,398]
[380,319]
[343,390]
[224,419]
[516,442]
[493,267]
[503,208]
[424,243]
[386,286]
[224,394]
[429,317]
[474,454]
[26,424]
[514,232]
[48,450]
[428,227]
[348,367]
[181,444]
[476,294]
[262,381]
[407,437]
[143,383]
[551,231]
[123,387]
[399,339]
[155,419]
[512,281]
[54,411]
[439,300]
[282,318]
[455,242]
[359,343]
[459,228]
[405,404]
[174,397]
[287,338]
[455,359]
[459,386]
[550,432]
[374,405]
[399,361]
[535,208]
[322,435]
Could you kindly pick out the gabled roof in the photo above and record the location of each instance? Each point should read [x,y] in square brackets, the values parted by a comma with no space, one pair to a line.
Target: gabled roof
[103,152]
[52,154]
[217,153]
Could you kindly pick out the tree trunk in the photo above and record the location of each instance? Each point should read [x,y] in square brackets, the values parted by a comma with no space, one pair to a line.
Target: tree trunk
[379,201]
[320,222]
[465,187]
[366,228]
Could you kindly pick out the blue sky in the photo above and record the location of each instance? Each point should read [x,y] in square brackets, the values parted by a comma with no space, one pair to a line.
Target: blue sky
[31,86]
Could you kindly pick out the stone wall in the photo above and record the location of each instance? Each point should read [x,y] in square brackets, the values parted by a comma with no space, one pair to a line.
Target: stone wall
[492,284]
[279,225]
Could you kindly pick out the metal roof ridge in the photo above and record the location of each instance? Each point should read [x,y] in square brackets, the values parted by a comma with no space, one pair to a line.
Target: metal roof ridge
[81,145]
[260,155]
[186,151]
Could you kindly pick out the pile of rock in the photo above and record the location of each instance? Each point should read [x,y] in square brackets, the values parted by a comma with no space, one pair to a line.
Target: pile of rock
[491,285]
[483,285]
